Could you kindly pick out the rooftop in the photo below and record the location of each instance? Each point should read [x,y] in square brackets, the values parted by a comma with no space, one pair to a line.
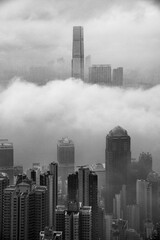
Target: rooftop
[118,131]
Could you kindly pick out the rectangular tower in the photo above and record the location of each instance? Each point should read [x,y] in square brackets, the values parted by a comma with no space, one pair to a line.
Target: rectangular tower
[6,159]
[78,53]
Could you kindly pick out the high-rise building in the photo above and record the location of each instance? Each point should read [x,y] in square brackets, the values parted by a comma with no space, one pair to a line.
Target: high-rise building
[154,179]
[87,66]
[118,158]
[118,76]
[6,159]
[85,215]
[78,53]
[24,212]
[4,182]
[65,158]
[73,187]
[132,216]
[144,200]
[52,191]
[60,219]
[144,165]
[88,195]
[100,74]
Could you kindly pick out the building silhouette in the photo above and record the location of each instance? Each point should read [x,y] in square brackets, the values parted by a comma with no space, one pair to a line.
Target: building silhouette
[66,160]
[24,211]
[118,158]
[144,200]
[52,185]
[100,74]
[84,189]
[78,53]
[6,159]
[118,77]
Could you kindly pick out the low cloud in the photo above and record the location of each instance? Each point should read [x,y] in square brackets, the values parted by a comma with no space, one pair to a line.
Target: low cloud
[35,117]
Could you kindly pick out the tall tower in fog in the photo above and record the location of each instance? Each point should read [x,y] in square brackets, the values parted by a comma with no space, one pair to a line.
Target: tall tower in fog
[118,158]
[78,53]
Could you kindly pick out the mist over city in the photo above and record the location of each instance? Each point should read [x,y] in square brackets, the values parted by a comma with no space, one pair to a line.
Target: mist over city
[80,120]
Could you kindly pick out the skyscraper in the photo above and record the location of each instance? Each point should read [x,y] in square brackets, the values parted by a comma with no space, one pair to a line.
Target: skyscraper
[118,158]
[118,76]
[6,159]
[144,200]
[88,194]
[65,158]
[52,191]
[100,74]
[24,212]
[78,53]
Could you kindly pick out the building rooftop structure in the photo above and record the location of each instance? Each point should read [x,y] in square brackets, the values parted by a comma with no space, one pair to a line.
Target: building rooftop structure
[118,131]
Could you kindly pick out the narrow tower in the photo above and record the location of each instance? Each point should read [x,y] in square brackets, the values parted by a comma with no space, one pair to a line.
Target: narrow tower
[78,53]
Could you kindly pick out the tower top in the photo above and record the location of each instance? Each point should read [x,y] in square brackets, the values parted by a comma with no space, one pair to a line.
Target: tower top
[118,131]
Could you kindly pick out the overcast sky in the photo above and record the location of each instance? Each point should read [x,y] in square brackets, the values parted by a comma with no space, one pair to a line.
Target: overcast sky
[120,32]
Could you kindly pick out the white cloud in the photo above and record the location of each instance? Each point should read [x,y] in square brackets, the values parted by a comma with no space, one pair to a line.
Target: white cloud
[34,118]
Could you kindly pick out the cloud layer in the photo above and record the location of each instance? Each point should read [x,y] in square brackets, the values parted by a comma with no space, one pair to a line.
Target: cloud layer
[35,117]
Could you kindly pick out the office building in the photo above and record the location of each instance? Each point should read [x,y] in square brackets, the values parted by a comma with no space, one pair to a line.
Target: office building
[88,195]
[145,165]
[154,179]
[6,159]
[24,212]
[117,77]
[60,219]
[73,187]
[133,217]
[52,186]
[85,216]
[65,158]
[100,74]
[87,66]
[4,182]
[99,169]
[144,200]
[118,158]
[78,53]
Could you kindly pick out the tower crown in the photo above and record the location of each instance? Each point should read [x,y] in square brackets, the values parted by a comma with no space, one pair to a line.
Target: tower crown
[118,131]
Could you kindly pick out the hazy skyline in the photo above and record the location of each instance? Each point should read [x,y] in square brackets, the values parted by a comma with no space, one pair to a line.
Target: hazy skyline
[34,118]
[121,33]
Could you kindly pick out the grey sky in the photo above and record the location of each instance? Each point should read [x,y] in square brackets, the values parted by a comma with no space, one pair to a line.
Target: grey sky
[125,33]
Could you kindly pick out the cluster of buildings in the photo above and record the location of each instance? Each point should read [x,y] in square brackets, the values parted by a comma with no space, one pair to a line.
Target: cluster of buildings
[115,200]
[94,74]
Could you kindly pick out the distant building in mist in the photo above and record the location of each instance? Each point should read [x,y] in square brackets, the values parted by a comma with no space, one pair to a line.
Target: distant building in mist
[118,158]
[118,77]
[144,200]
[65,158]
[100,74]
[78,53]
[87,66]
[6,159]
